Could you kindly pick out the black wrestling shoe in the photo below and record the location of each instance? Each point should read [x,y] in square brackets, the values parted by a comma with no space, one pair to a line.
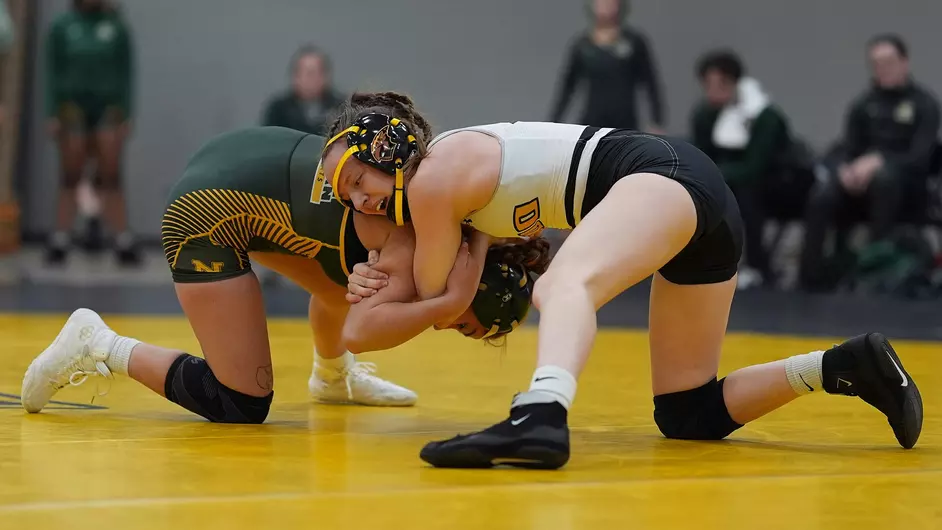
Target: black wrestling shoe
[94,236]
[56,255]
[127,251]
[535,436]
[128,257]
[57,249]
[867,366]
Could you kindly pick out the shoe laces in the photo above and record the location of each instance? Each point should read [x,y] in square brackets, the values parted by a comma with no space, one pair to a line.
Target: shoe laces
[358,371]
[79,373]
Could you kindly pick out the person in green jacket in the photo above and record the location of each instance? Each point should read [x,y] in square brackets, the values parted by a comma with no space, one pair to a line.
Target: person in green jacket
[6,28]
[88,102]
[7,37]
[737,125]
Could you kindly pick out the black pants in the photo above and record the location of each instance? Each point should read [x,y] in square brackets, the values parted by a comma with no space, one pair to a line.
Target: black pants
[831,206]
[752,208]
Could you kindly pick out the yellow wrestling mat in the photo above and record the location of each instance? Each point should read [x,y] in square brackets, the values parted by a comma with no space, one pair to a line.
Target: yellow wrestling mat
[140,462]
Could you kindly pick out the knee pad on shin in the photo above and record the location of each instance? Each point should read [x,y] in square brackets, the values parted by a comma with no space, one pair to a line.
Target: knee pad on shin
[695,414]
[192,385]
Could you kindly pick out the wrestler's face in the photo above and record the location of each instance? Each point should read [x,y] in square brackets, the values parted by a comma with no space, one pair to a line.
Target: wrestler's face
[366,187]
[468,325]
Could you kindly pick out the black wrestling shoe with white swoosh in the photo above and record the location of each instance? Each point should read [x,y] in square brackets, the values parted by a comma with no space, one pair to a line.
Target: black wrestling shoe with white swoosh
[535,436]
[867,366]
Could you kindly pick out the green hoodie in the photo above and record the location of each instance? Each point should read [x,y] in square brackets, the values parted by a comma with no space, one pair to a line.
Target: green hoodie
[88,55]
[769,136]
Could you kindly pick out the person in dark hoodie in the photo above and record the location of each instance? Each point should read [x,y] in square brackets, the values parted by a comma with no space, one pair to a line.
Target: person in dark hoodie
[613,61]
[890,136]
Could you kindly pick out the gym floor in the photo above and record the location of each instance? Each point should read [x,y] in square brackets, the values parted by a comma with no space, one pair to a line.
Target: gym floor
[129,459]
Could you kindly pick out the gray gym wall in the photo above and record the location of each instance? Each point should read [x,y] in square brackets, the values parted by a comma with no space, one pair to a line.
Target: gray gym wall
[207,66]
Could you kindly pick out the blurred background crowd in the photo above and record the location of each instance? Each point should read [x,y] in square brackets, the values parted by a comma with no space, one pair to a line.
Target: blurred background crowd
[823,117]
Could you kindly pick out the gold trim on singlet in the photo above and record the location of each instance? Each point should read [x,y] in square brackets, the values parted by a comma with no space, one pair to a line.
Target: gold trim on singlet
[343,235]
[231,219]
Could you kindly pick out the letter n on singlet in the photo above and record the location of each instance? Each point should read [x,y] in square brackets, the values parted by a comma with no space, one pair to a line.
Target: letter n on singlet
[215,266]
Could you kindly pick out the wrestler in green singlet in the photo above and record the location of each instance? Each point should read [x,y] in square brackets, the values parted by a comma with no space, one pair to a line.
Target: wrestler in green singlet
[256,190]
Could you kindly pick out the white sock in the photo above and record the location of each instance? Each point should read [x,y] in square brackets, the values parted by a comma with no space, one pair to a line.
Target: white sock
[804,372]
[60,239]
[340,364]
[120,356]
[124,240]
[549,383]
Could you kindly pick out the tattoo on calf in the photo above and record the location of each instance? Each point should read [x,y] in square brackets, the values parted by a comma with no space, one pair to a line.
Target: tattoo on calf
[265,377]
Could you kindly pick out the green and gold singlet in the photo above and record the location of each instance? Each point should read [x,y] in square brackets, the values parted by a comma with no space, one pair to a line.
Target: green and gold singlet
[256,190]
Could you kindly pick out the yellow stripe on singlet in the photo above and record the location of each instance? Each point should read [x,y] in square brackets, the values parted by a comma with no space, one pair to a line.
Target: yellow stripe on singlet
[343,233]
[231,219]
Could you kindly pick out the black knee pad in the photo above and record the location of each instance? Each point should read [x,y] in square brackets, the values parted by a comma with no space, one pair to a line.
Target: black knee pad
[696,414]
[191,384]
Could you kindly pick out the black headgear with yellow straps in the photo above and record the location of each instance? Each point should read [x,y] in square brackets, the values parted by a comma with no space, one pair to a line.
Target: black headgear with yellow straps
[385,143]
[503,298]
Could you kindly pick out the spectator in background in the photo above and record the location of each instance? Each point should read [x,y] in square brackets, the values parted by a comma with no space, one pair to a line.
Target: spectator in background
[7,36]
[6,28]
[613,60]
[88,88]
[891,133]
[6,40]
[307,106]
[740,128]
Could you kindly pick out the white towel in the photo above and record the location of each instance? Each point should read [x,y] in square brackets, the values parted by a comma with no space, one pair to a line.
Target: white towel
[732,128]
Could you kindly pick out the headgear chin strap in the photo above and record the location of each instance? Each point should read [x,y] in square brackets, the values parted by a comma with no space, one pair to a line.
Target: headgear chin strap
[503,298]
[386,144]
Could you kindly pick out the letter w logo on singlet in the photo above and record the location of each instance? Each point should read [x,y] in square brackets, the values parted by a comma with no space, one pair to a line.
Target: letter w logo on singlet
[527,218]
[199,266]
[321,191]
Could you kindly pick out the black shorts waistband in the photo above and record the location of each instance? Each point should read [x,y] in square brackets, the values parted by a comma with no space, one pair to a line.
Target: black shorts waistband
[577,151]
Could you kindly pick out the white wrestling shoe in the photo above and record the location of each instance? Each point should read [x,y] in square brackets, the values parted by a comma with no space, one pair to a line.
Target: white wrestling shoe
[79,351]
[357,386]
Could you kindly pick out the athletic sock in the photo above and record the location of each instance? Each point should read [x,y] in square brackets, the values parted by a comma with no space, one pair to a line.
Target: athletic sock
[60,240]
[804,372]
[338,365]
[549,384]
[124,241]
[120,354]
